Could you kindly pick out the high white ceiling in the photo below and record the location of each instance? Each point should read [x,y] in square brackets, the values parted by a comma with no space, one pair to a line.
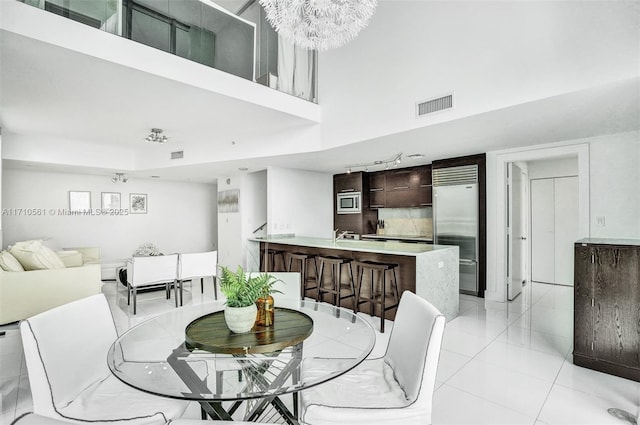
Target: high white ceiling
[50,91]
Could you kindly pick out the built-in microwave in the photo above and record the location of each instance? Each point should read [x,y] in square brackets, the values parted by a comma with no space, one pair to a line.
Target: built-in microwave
[349,203]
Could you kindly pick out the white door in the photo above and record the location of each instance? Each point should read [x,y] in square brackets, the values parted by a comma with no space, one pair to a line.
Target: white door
[542,231]
[516,221]
[554,229]
[566,227]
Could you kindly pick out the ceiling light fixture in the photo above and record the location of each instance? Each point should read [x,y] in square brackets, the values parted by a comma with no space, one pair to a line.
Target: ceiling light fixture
[386,163]
[120,177]
[156,136]
[319,24]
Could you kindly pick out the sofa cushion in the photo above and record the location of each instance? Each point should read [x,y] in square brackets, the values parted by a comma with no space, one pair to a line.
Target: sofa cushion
[70,258]
[35,256]
[9,263]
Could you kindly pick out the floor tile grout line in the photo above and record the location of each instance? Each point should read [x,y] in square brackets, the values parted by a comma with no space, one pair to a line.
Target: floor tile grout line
[551,389]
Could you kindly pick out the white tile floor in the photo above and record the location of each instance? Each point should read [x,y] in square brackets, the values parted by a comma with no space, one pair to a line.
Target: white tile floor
[501,363]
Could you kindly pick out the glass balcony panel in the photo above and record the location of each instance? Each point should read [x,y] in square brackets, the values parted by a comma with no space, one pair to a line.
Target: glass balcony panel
[240,41]
[234,40]
[188,16]
[150,29]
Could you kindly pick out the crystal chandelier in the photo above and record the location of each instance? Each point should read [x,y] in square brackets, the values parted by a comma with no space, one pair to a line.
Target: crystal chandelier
[319,24]
[157,136]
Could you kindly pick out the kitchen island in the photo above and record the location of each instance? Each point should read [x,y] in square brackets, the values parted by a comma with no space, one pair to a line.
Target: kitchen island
[430,271]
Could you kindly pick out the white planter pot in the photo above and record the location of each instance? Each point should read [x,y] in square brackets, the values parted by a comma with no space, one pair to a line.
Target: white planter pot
[240,319]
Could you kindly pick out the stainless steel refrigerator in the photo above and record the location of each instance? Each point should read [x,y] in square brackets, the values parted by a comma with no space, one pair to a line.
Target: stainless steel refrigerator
[456,218]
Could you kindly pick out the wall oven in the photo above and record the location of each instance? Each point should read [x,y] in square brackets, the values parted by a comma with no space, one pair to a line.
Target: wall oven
[349,203]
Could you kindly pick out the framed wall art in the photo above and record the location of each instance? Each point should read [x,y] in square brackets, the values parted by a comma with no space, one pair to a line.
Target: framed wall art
[79,201]
[138,203]
[111,201]
[228,201]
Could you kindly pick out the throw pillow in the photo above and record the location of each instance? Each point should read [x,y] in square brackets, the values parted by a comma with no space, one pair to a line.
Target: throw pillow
[35,256]
[9,263]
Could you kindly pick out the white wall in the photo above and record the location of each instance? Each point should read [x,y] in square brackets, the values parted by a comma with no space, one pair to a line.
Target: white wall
[181,217]
[235,227]
[490,54]
[549,168]
[615,186]
[299,202]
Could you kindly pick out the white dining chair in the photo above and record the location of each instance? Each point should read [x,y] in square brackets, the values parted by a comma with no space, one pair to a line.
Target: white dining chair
[65,352]
[150,271]
[198,265]
[288,286]
[396,388]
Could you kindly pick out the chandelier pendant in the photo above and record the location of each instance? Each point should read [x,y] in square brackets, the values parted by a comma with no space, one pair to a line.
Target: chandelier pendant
[319,24]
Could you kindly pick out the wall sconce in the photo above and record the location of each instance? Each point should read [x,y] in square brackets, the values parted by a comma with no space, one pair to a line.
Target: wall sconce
[120,177]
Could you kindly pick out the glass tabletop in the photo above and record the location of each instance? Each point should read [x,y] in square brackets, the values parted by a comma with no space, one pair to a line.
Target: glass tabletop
[153,356]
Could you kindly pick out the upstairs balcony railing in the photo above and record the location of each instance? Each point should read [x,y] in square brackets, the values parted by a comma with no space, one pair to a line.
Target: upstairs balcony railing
[240,42]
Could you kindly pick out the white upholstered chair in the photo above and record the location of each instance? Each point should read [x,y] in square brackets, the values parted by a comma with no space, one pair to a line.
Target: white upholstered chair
[394,389]
[288,285]
[66,355]
[198,265]
[149,271]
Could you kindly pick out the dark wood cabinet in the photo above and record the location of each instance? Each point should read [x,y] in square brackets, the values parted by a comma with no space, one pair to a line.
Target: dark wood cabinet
[377,184]
[363,222]
[401,188]
[347,182]
[607,308]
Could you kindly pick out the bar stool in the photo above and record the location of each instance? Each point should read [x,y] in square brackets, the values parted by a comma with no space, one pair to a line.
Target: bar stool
[377,287]
[271,259]
[336,285]
[290,257]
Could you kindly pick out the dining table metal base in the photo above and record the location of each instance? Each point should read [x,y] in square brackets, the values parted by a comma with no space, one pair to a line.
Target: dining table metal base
[253,369]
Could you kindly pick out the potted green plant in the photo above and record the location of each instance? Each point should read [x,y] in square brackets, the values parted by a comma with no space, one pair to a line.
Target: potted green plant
[242,291]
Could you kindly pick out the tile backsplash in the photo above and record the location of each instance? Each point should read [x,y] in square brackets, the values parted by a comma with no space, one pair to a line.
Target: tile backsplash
[407,221]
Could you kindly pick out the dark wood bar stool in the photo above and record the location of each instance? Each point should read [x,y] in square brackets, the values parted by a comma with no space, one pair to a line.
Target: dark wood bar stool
[305,280]
[378,288]
[336,286]
[272,255]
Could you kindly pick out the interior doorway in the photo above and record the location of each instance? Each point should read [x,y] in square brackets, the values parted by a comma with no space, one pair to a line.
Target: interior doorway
[517,227]
[497,236]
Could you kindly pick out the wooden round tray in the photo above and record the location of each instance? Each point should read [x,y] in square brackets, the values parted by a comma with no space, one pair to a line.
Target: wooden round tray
[210,333]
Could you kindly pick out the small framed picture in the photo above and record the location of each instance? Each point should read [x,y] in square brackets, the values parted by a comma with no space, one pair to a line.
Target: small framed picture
[79,200]
[111,200]
[138,203]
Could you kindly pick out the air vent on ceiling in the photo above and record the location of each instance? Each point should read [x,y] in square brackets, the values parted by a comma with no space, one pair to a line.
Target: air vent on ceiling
[177,154]
[434,105]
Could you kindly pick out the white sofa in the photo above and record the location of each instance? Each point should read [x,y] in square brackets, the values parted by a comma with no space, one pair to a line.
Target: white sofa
[26,293]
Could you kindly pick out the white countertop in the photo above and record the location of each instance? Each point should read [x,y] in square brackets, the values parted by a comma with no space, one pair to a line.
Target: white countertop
[380,247]
[421,239]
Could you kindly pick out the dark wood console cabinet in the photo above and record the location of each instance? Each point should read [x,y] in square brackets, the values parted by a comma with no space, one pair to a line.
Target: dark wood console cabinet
[607,306]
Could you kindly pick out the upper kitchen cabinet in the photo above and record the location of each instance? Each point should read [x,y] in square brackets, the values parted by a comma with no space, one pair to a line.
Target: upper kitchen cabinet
[401,188]
[348,182]
[377,183]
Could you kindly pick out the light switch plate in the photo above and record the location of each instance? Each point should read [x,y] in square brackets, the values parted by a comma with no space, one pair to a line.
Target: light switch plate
[600,220]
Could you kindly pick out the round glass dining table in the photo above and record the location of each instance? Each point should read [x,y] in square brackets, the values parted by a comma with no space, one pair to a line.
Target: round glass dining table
[251,371]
